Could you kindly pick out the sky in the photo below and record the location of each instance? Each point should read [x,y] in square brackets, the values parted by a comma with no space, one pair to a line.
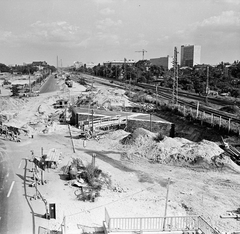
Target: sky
[104,30]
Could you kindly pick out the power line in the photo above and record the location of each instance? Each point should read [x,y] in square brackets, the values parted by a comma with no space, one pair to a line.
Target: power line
[130,195]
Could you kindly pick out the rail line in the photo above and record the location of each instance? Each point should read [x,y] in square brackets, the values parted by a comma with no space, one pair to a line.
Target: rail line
[207,110]
[166,94]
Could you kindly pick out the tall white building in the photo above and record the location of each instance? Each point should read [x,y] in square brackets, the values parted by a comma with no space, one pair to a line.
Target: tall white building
[165,62]
[190,55]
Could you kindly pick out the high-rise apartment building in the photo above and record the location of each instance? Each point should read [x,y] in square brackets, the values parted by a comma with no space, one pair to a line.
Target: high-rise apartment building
[190,55]
[165,62]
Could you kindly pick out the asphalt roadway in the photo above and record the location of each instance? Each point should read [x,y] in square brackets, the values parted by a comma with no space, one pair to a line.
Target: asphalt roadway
[16,212]
[50,85]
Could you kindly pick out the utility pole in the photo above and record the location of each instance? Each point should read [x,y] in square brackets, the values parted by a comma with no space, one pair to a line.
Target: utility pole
[207,85]
[57,63]
[92,121]
[175,78]
[30,88]
[125,69]
[142,51]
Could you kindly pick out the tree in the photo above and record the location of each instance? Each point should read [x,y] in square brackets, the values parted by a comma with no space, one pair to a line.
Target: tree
[4,68]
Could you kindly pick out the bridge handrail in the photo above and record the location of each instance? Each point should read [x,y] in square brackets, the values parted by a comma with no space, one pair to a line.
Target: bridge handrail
[205,227]
[169,223]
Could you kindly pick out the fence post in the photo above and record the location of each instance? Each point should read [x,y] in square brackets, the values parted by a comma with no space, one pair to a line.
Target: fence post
[197,110]
[166,202]
[212,119]
[229,125]
[93,159]
[65,225]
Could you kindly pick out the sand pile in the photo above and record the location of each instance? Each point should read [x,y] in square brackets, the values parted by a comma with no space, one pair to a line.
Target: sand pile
[8,103]
[175,151]
[115,97]
[139,132]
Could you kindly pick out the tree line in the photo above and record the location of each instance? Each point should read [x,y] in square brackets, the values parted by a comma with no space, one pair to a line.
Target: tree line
[223,78]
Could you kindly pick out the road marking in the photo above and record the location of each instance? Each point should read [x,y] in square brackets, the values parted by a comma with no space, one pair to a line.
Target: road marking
[20,164]
[10,190]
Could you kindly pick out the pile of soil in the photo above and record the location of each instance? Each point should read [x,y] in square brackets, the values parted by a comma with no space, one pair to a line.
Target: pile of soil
[113,97]
[7,104]
[139,132]
[174,151]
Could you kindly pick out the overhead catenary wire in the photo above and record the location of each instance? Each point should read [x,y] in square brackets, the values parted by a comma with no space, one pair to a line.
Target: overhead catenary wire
[109,203]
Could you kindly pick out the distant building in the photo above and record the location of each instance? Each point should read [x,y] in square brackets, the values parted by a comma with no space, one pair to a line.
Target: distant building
[90,65]
[39,64]
[118,63]
[77,64]
[190,55]
[165,62]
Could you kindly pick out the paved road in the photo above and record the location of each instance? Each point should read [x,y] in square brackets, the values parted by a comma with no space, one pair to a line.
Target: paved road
[10,209]
[17,214]
[50,85]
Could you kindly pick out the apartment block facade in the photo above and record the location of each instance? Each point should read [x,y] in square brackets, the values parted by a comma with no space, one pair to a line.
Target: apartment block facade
[190,55]
[165,62]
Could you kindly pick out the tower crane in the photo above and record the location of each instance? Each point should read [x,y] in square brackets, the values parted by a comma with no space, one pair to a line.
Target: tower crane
[142,51]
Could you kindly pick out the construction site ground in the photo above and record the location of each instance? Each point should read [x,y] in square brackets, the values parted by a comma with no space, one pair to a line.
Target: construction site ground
[138,187]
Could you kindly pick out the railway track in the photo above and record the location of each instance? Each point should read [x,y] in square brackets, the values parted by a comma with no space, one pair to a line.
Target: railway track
[207,110]
[166,93]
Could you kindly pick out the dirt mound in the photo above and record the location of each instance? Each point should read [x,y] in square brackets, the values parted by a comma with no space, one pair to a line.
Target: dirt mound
[116,135]
[139,132]
[175,151]
[111,97]
[8,103]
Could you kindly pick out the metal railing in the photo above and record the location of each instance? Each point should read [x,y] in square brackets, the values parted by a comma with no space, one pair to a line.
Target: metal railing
[205,227]
[174,223]
[170,223]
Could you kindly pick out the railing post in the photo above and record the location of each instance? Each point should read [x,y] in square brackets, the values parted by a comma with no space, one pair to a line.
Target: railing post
[171,223]
[166,202]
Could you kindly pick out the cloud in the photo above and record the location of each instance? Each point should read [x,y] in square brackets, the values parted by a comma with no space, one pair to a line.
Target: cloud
[55,31]
[108,38]
[141,42]
[58,33]
[232,2]
[103,1]
[106,23]
[107,11]
[229,19]
[214,30]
